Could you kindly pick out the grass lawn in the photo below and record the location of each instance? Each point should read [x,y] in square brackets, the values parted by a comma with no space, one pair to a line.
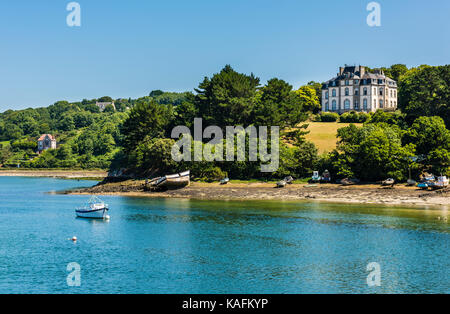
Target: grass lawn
[323,134]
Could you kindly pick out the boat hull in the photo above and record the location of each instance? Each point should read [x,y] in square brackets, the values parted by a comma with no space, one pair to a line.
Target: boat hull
[92,214]
[175,181]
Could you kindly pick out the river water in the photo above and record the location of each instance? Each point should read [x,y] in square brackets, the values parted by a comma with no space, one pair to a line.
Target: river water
[186,246]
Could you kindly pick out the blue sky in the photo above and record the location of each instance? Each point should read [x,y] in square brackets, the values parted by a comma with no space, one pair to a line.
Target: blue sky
[129,48]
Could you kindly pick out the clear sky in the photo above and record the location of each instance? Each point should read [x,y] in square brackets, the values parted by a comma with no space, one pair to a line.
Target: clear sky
[129,48]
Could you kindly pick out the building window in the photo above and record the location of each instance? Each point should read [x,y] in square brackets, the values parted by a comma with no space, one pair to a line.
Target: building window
[347,104]
[374,90]
[333,105]
[356,92]
[381,103]
[326,95]
[327,107]
[347,83]
[365,104]
[381,91]
[356,106]
[333,93]
[365,91]
[347,93]
[374,103]
[356,82]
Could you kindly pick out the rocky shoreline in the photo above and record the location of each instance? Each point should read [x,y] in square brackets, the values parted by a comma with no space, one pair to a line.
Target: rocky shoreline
[364,194]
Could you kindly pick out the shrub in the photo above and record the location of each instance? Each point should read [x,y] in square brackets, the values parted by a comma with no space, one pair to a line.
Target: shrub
[24,145]
[329,117]
[354,117]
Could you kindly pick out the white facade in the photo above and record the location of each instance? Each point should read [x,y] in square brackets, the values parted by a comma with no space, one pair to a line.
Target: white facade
[358,90]
[46,141]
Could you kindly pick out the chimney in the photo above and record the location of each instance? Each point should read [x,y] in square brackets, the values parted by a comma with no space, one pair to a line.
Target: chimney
[362,70]
[341,70]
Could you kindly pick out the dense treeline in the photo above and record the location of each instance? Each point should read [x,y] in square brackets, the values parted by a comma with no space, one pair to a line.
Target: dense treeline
[227,98]
[134,137]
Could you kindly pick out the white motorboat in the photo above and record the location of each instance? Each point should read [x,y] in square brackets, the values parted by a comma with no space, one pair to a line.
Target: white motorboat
[95,208]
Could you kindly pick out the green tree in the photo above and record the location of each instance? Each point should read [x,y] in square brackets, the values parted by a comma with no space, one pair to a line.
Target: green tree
[105,99]
[226,98]
[425,91]
[373,152]
[427,134]
[278,105]
[432,141]
[154,156]
[146,118]
[5,154]
[396,71]
[109,109]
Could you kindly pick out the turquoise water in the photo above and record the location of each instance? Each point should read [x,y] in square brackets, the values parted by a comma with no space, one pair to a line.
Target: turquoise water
[182,246]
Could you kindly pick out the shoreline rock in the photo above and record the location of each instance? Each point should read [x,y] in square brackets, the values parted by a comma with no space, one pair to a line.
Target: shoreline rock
[360,194]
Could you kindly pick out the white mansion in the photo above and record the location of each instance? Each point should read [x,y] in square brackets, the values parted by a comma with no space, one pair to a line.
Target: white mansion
[356,89]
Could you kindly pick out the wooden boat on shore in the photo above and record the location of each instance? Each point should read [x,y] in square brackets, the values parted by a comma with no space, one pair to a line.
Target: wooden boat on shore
[281,184]
[174,181]
[224,181]
[389,182]
[347,181]
[289,180]
[95,208]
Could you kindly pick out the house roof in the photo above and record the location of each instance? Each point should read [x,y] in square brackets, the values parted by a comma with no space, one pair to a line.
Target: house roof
[43,136]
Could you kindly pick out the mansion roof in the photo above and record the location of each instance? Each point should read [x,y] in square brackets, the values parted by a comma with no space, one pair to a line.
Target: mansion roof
[359,73]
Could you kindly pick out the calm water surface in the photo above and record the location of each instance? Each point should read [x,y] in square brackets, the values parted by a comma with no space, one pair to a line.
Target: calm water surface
[182,246]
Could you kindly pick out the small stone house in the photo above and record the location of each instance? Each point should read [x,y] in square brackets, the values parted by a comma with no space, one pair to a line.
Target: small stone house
[46,141]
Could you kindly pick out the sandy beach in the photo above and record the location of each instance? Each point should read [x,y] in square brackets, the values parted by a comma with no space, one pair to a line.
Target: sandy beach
[364,194]
[65,174]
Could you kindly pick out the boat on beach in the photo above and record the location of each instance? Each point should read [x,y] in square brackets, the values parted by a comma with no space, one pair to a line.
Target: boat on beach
[423,185]
[281,184]
[173,181]
[441,183]
[388,182]
[95,208]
